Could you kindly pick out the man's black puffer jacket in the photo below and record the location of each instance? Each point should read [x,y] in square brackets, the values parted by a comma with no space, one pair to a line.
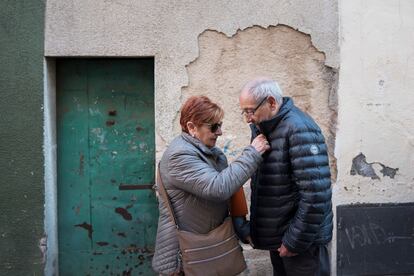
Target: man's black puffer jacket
[291,192]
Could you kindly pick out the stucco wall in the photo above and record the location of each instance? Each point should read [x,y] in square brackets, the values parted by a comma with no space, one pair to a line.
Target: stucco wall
[376,101]
[21,128]
[169,31]
[182,35]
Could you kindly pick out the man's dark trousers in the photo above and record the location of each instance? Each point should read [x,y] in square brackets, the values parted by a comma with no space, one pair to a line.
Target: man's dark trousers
[315,261]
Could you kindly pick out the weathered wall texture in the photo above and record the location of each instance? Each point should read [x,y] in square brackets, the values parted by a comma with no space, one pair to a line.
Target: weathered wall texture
[376,102]
[169,30]
[21,127]
[225,63]
[282,53]
[210,47]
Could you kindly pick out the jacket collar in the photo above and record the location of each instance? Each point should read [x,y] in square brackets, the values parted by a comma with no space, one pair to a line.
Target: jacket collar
[268,126]
[198,144]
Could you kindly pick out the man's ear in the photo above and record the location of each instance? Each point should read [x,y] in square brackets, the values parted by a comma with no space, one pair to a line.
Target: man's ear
[272,101]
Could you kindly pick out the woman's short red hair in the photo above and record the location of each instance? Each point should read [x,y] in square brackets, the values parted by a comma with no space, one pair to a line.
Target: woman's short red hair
[199,110]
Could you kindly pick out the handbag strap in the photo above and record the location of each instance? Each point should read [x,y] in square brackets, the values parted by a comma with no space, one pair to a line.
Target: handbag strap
[164,194]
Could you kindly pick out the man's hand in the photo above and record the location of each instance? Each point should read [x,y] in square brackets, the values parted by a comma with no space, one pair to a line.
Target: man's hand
[284,252]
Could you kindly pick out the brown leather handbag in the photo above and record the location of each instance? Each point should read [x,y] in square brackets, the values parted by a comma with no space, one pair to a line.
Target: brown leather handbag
[217,253]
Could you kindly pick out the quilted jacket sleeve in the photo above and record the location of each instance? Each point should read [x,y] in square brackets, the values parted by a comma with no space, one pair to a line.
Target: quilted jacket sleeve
[195,176]
[310,172]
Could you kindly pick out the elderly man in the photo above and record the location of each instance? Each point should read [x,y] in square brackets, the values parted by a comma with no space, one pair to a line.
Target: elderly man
[291,208]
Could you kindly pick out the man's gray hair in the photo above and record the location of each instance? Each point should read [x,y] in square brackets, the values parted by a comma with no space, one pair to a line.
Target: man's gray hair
[263,88]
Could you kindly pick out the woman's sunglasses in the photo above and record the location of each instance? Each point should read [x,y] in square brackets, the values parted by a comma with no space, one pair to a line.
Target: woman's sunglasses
[214,127]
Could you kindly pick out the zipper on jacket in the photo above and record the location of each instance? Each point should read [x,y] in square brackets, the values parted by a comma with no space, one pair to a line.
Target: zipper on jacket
[179,261]
[216,257]
[210,246]
[254,204]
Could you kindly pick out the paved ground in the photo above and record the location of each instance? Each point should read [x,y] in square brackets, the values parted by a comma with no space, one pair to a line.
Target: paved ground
[258,262]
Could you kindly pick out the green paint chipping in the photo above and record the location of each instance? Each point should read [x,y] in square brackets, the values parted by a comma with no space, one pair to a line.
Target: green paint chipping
[21,139]
[107,211]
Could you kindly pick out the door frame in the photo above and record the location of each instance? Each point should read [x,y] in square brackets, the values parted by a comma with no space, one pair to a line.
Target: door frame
[51,258]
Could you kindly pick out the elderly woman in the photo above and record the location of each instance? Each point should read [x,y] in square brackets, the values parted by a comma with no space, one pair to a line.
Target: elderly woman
[198,180]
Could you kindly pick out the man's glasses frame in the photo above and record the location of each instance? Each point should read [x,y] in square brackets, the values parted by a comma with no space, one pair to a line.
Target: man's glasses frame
[252,111]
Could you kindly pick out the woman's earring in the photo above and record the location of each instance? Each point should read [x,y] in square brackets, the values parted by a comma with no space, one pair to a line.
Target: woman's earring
[193,135]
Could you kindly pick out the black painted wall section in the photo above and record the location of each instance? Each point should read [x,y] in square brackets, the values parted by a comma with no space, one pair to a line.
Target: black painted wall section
[375,239]
[21,136]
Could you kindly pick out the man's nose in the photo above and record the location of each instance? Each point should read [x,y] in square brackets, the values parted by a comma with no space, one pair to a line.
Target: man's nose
[219,132]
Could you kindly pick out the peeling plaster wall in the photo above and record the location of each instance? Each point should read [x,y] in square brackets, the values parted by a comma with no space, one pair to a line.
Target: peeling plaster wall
[225,63]
[376,102]
[183,35]
[375,99]
[169,30]
[282,53]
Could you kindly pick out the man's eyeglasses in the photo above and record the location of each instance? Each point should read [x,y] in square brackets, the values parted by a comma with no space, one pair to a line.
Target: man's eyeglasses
[214,127]
[250,112]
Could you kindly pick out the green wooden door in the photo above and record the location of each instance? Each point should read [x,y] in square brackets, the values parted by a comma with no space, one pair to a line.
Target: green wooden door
[107,211]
